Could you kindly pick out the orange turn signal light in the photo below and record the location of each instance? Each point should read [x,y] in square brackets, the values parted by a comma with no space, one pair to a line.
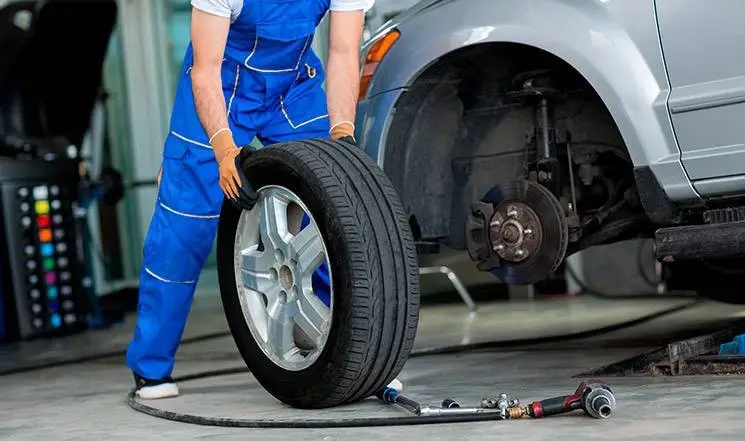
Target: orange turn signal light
[375,55]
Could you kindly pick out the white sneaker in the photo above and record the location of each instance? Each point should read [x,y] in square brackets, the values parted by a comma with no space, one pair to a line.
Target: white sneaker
[155,389]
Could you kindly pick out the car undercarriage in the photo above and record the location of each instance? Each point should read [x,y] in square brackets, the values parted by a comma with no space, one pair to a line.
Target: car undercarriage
[507,152]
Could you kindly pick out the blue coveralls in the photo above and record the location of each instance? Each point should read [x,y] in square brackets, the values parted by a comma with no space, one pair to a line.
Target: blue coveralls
[272,82]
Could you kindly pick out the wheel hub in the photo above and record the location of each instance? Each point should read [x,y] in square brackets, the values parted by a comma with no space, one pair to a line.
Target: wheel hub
[515,231]
[286,277]
[518,232]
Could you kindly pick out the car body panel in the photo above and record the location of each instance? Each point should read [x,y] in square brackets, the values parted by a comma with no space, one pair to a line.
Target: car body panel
[374,117]
[706,66]
[614,44]
[381,12]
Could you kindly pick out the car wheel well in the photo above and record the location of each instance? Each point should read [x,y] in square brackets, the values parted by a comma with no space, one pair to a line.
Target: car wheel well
[456,132]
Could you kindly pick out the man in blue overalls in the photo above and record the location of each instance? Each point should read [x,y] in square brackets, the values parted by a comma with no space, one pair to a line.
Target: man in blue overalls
[248,72]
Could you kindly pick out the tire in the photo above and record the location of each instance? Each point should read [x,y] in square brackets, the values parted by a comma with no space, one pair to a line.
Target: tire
[373,266]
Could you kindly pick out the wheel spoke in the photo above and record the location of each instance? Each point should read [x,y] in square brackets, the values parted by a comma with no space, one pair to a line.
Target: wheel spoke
[248,231]
[312,316]
[260,281]
[274,228]
[307,246]
[280,327]
[256,272]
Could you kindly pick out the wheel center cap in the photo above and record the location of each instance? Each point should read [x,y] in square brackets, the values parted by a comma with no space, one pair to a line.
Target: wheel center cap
[286,278]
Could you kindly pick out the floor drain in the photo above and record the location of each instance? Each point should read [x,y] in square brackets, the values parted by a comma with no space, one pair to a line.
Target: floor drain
[693,356]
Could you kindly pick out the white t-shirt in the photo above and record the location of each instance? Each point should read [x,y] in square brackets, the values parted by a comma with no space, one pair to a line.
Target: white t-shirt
[232,8]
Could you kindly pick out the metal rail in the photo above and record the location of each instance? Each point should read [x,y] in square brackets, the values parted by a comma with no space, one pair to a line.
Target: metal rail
[454,280]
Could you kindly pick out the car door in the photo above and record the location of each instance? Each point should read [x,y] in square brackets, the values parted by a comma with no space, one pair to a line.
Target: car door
[703,44]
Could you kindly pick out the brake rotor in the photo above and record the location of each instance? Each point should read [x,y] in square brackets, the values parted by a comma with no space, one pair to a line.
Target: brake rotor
[528,231]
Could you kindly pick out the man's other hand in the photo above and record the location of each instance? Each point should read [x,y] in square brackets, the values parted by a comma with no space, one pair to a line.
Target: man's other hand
[349,140]
[344,131]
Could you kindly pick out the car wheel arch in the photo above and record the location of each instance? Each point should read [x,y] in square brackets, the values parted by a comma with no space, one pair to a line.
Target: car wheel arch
[404,164]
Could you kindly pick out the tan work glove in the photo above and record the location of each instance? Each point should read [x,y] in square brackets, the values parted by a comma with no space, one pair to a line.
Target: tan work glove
[233,181]
[344,131]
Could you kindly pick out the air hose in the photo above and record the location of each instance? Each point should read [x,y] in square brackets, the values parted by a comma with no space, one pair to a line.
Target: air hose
[296,423]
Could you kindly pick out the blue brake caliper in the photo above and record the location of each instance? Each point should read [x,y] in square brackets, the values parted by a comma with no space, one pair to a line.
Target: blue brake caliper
[320,280]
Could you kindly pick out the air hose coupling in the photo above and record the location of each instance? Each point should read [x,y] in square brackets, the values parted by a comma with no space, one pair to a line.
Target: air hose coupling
[388,395]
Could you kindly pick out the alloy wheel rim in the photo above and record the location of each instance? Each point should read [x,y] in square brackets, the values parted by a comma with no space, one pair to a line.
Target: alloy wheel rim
[274,261]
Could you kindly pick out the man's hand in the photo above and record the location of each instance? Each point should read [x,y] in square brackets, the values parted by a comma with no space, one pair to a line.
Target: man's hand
[343,70]
[233,181]
[229,179]
[348,139]
[247,196]
[343,130]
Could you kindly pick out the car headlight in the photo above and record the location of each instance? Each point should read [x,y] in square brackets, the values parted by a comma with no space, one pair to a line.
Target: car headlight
[374,54]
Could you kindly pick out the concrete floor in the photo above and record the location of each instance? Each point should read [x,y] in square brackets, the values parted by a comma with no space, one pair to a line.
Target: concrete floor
[86,401]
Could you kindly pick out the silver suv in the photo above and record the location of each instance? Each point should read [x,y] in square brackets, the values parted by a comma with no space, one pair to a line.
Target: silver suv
[527,130]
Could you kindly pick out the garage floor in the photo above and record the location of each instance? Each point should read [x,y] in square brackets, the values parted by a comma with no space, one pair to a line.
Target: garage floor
[86,401]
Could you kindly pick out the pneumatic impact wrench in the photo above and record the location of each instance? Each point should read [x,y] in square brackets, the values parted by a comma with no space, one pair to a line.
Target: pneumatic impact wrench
[594,397]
